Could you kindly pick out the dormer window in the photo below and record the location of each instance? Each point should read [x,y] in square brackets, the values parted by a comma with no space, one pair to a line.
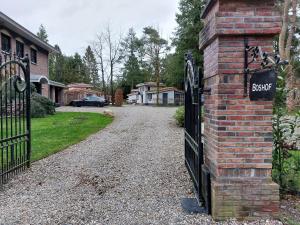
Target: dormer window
[33,56]
[5,43]
[20,49]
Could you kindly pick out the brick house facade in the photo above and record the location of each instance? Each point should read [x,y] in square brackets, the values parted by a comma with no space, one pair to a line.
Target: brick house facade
[77,91]
[14,38]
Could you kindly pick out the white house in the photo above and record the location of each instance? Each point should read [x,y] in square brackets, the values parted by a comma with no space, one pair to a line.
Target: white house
[133,96]
[147,94]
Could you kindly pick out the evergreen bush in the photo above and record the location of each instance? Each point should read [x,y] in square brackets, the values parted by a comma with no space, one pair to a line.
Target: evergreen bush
[37,110]
[41,106]
[179,116]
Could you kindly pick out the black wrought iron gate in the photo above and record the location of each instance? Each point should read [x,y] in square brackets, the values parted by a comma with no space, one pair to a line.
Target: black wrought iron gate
[15,137]
[193,133]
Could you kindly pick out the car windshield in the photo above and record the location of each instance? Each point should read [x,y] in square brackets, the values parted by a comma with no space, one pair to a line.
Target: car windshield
[93,98]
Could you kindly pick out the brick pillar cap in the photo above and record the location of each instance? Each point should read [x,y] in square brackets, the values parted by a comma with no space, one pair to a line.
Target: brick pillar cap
[207,8]
[229,22]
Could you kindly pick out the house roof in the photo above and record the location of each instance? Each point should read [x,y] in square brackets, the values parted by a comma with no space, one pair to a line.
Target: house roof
[150,84]
[35,78]
[9,23]
[56,84]
[131,94]
[166,89]
[79,85]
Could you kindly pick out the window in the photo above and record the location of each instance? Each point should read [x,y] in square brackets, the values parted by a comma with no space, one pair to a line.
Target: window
[33,56]
[20,49]
[93,98]
[5,43]
[150,97]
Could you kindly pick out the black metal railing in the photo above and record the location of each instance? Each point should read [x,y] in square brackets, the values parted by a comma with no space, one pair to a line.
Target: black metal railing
[15,115]
[193,133]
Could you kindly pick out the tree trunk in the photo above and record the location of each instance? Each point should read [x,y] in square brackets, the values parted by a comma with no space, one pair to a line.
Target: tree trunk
[157,73]
[292,30]
[289,86]
[111,84]
[290,76]
[103,76]
[103,83]
[282,36]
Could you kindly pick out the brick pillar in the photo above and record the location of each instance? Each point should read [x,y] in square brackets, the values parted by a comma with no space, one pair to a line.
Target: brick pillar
[45,90]
[238,132]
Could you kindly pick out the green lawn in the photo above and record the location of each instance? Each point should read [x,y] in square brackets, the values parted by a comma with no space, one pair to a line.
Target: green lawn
[55,133]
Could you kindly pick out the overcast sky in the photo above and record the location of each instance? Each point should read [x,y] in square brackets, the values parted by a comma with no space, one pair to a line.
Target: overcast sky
[73,24]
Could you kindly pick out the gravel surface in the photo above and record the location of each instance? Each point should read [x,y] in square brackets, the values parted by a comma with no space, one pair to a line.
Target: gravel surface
[131,172]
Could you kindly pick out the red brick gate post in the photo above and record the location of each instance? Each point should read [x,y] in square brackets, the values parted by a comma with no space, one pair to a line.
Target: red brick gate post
[238,132]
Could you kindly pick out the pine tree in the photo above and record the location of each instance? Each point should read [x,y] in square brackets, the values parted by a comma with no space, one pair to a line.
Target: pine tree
[185,40]
[56,63]
[90,63]
[42,33]
[155,47]
[74,70]
[132,73]
[79,69]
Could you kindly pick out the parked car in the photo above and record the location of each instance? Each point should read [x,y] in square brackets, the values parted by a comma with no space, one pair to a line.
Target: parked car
[90,101]
[131,101]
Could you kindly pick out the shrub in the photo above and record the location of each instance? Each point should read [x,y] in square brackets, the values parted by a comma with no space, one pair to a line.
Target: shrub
[33,88]
[41,106]
[285,160]
[179,116]
[37,110]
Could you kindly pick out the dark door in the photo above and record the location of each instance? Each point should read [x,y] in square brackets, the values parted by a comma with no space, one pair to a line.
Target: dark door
[57,94]
[38,87]
[176,99]
[165,98]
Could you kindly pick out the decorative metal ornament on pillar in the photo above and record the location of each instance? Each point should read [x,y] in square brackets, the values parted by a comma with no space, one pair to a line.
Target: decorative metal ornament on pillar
[263,79]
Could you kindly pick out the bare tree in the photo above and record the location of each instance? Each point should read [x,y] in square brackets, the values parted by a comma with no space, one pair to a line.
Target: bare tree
[289,18]
[114,55]
[98,47]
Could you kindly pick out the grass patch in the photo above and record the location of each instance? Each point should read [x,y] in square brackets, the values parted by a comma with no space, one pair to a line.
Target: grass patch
[55,133]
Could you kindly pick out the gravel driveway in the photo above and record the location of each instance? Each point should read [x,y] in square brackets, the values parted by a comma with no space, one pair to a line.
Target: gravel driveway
[132,172]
